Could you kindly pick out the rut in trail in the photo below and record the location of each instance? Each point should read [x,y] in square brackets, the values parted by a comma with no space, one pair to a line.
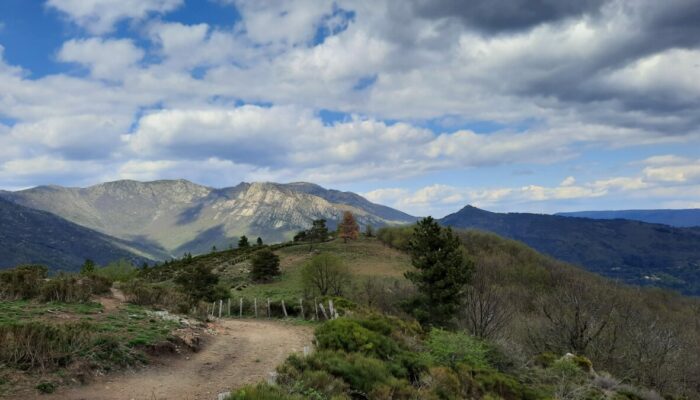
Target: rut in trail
[243,352]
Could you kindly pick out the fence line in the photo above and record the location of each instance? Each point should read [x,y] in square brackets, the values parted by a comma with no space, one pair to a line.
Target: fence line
[221,309]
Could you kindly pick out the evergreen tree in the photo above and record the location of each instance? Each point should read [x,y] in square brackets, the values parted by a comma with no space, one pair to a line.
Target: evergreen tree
[259,241]
[348,228]
[198,282]
[243,242]
[441,273]
[369,231]
[265,266]
[213,249]
[318,232]
[88,267]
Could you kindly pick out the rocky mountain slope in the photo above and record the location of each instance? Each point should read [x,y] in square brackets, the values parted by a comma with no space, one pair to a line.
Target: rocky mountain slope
[30,236]
[632,251]
[179,216]
[679,218]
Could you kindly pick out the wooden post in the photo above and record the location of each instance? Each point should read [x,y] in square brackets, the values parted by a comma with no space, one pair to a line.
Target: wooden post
[284,309]
[213,308]
[255,305]
[301,307]
[221,305]
[331,310]
[316,308]
[229,307]
[240,307]
[323,310]
[269,314]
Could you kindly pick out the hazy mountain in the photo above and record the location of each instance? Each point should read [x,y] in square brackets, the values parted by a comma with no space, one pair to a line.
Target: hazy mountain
[181,216]
[680,218]
[633,251]
[33,236]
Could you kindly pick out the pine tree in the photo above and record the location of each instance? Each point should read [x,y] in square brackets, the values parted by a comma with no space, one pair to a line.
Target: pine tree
[265,266]
[259,241]
[88,267]
[243,242]
[441,273]
[348,228]
[318,232]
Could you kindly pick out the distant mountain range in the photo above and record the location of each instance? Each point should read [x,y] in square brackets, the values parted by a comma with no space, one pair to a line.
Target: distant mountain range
[172,217]
[33,236]
[679,218]
[632,251]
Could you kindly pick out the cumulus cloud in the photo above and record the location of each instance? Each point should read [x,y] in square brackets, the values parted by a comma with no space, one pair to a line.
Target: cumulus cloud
[100,16]
[106,59]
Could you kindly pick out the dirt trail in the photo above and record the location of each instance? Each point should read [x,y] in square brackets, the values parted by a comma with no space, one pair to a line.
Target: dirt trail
[242,352]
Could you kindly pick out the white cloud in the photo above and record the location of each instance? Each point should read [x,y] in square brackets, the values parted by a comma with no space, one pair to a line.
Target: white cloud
[107,59]
[100,16]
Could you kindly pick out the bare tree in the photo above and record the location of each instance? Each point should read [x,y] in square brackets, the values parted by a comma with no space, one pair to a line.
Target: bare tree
[486,311]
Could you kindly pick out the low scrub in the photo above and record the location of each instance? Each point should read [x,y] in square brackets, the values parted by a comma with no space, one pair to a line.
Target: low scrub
[40,345]
[22,283]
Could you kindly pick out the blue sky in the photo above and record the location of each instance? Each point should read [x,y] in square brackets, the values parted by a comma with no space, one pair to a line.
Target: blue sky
[424,106]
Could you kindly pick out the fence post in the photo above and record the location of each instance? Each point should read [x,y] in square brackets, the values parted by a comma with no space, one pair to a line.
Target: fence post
[240,307]
[213,308]
[284,309]
[269,314]
[323,310]
[301,307]
[255,305]
[221,305]
[331,310]
[316,308]
[229,307]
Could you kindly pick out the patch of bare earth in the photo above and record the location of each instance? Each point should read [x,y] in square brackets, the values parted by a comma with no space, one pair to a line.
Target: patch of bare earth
[241,352]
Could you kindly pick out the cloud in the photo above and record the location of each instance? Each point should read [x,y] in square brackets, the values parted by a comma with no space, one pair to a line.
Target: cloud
[501,16]
[100,16]
[106,59]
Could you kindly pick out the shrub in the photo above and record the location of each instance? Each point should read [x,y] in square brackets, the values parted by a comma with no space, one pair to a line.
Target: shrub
[451,348]
[46,387]
[359,371]
[118,271]
[141,293]
[22,282]
[40,345]
[349,336]
[265,266]
[66,289]
[325,274]
[263,392]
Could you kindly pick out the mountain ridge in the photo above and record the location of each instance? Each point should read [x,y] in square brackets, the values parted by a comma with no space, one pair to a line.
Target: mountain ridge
[632,251]
[182,216]
[681,218]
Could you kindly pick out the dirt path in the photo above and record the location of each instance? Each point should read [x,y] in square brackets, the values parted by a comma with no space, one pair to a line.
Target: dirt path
[243,352]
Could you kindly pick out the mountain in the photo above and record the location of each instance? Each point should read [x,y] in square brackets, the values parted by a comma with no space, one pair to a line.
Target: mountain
[33,236]
[678,218]
[180,216]
[632,251]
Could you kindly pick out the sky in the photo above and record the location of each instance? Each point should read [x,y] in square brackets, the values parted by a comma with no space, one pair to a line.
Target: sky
[423,105]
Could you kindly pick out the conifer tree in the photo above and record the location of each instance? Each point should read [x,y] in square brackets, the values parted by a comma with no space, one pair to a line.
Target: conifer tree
[441,273]
[265,265]
[243,242]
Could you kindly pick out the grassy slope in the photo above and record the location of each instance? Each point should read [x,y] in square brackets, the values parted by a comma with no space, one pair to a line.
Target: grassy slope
[130,326]
[364,257]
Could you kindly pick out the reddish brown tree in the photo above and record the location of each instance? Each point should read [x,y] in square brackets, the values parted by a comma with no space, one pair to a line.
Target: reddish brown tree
[348,228]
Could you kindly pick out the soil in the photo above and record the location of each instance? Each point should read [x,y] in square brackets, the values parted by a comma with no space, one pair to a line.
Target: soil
[240,352]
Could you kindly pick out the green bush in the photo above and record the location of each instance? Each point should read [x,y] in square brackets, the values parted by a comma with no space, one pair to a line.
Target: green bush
[263,392]
[22,282]
[118,271]
[348,335]
[359,371]
[451,348]
[46,387]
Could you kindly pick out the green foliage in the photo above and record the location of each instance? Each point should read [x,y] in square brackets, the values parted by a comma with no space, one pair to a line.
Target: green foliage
[263,392]
[452,348]
[259,241]
[325,274]
[40,345]
[442,271]
[243,242]
[46,387]
[349,336]
[23,282]
[88,267]
[198,282]
[265,266]
[318,232]
[396,237]
[118,271]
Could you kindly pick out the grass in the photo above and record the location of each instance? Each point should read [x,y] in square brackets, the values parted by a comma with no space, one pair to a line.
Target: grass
[365,257]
